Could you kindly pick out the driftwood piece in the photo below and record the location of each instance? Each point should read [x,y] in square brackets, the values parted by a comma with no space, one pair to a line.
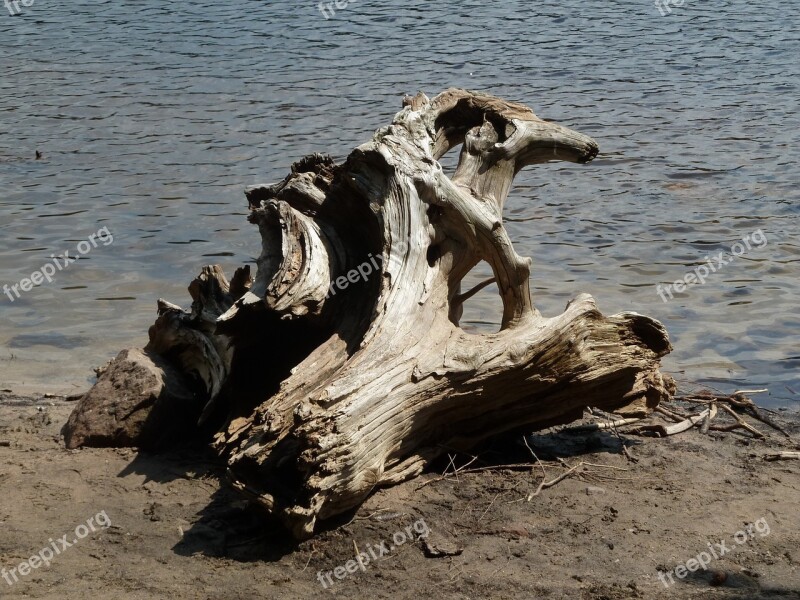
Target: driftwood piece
[154,397]
[672,429]
[787,455]
[342,365]
[712,412]
[589,427]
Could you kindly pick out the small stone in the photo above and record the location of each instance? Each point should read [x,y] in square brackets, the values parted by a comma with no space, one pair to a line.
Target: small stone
[592,490]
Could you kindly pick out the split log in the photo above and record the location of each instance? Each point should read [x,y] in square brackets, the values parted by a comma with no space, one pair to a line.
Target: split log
[342,366]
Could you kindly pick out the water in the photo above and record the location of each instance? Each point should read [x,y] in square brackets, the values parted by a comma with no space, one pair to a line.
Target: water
[151,117]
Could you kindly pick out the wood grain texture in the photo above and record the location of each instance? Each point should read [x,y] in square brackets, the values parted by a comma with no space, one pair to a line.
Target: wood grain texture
[320,391]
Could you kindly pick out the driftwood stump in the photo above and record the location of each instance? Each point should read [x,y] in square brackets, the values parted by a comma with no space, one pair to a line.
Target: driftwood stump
[342,366]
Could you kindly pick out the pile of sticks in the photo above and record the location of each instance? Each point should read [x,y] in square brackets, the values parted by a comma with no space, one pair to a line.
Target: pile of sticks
[719,412]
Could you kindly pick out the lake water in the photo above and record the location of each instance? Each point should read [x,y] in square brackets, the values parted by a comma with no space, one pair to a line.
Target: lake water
[151,117]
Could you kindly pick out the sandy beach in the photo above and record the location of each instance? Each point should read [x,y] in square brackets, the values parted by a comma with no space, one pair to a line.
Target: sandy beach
[613,529]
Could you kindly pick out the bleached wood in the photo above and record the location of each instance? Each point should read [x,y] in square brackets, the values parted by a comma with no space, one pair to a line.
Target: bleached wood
[321,392]
[413,384]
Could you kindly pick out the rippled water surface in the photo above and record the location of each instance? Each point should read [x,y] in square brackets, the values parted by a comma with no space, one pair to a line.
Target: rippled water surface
[151,117]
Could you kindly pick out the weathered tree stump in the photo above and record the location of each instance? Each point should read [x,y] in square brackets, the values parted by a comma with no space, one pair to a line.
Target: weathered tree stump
[342,366]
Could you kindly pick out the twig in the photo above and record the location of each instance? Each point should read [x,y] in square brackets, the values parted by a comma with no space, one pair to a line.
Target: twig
[625,450]
[699,400]
[783,456]
[712,412]
[488,507]
[729,427]
[452,464]
[382,514]
[628,454]
[674,415]
[602,414]
[745,403]
[756,414]
[477,470]
[741,421]
[598,426]
[549,484]
[588,464]
[544,473]
[310,556]
[601,477]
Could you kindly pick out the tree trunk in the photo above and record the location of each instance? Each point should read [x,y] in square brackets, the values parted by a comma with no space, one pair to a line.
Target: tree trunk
[342,366]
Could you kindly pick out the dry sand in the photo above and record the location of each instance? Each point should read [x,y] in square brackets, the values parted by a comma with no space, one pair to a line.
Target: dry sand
[178,532]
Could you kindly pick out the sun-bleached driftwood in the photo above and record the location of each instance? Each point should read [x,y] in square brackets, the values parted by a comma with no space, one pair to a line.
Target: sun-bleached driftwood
[674,428]
[325,378]
[787,455]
